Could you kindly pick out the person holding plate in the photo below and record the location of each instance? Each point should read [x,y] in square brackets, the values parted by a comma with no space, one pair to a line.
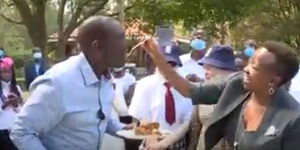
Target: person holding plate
[154,100]
[253,111]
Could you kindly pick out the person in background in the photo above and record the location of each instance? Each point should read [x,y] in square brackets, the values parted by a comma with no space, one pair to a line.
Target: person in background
[240,61]
[2,52]
[250,47]
[34,68]
[190,61]
[69,106]
[11,101]
[125,79]
[154,100]
[294,88]
[123,82]
[217,62]
[253,112]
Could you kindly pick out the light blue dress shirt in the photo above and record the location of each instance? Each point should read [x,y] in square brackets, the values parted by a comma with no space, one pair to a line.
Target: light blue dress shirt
[37,68]
[61,112]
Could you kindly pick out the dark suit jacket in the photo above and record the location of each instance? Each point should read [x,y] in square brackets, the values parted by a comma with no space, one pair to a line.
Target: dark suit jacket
[30,72]
[229,94]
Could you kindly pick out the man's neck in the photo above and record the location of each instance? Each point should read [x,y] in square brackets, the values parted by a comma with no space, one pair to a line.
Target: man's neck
[195,56]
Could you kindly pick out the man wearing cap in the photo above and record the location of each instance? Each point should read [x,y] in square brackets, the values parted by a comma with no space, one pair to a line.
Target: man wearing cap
[190,61]
[218,61]
[34,68]
[154,100]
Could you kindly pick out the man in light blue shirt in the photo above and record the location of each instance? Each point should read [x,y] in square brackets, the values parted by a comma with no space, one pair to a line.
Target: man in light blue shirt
[69,106]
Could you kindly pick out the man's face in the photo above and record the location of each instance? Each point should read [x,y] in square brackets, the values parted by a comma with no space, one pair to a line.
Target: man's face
[37,56]
[115,50]
[210,71]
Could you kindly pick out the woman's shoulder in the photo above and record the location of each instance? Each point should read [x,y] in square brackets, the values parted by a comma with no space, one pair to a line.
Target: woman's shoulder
[288,103]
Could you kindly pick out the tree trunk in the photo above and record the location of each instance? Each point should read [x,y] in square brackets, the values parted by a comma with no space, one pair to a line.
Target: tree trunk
[35,23]
[223,33]
[61,40]
[121,11]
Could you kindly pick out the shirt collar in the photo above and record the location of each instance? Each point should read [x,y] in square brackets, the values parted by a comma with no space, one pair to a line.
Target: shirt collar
[5,84]
[160,78]
[88,74]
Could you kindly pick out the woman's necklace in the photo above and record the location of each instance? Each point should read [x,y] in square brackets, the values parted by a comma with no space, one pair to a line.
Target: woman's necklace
[238,139]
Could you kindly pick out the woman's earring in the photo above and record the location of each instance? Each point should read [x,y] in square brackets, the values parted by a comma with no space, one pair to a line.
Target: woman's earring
[271,90]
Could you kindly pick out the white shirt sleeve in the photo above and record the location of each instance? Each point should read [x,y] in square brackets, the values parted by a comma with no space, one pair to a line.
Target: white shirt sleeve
[140,104]
[119,101]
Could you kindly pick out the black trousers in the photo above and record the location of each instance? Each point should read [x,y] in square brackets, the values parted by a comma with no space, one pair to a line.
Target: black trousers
[5,142]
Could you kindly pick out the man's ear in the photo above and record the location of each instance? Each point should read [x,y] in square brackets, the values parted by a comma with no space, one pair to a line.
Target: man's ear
[96,44]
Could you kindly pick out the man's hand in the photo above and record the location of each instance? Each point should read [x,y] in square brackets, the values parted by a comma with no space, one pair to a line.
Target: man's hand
[155,143]
[129,126]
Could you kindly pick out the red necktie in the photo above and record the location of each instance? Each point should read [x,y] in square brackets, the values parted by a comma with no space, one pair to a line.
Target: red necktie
[169,105]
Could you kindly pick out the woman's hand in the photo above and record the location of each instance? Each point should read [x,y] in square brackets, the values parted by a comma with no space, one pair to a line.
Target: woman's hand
[151,46]
[155,143]
[194,78]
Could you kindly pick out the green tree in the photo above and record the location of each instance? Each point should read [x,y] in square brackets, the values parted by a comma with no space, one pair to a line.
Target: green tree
[32,14]
[213,15]
[274,20]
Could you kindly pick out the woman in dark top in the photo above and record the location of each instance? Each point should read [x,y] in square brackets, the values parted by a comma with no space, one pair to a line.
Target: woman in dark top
[252,112]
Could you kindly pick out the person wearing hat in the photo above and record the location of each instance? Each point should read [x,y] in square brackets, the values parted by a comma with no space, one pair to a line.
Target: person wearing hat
[190,61]
[34,68]
[218,61]
[154,100]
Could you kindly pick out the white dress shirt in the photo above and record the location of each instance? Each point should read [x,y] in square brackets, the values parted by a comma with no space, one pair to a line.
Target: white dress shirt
[37,68]
[295,87]
[122,85]
[191,66]
[126,81]
[61,112]
[148,103]
[9,114]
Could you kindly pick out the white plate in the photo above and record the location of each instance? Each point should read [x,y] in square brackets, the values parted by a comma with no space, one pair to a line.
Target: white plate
[129,134]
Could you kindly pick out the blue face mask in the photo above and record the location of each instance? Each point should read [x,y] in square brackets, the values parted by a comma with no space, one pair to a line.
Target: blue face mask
[1,53]
[249,51]
[198,44]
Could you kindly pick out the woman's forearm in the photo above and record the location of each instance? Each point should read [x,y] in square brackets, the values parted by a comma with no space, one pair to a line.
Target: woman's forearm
[178,82]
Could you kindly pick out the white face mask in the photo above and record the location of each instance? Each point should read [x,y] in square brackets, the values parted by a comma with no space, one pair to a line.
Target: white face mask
[37,55]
